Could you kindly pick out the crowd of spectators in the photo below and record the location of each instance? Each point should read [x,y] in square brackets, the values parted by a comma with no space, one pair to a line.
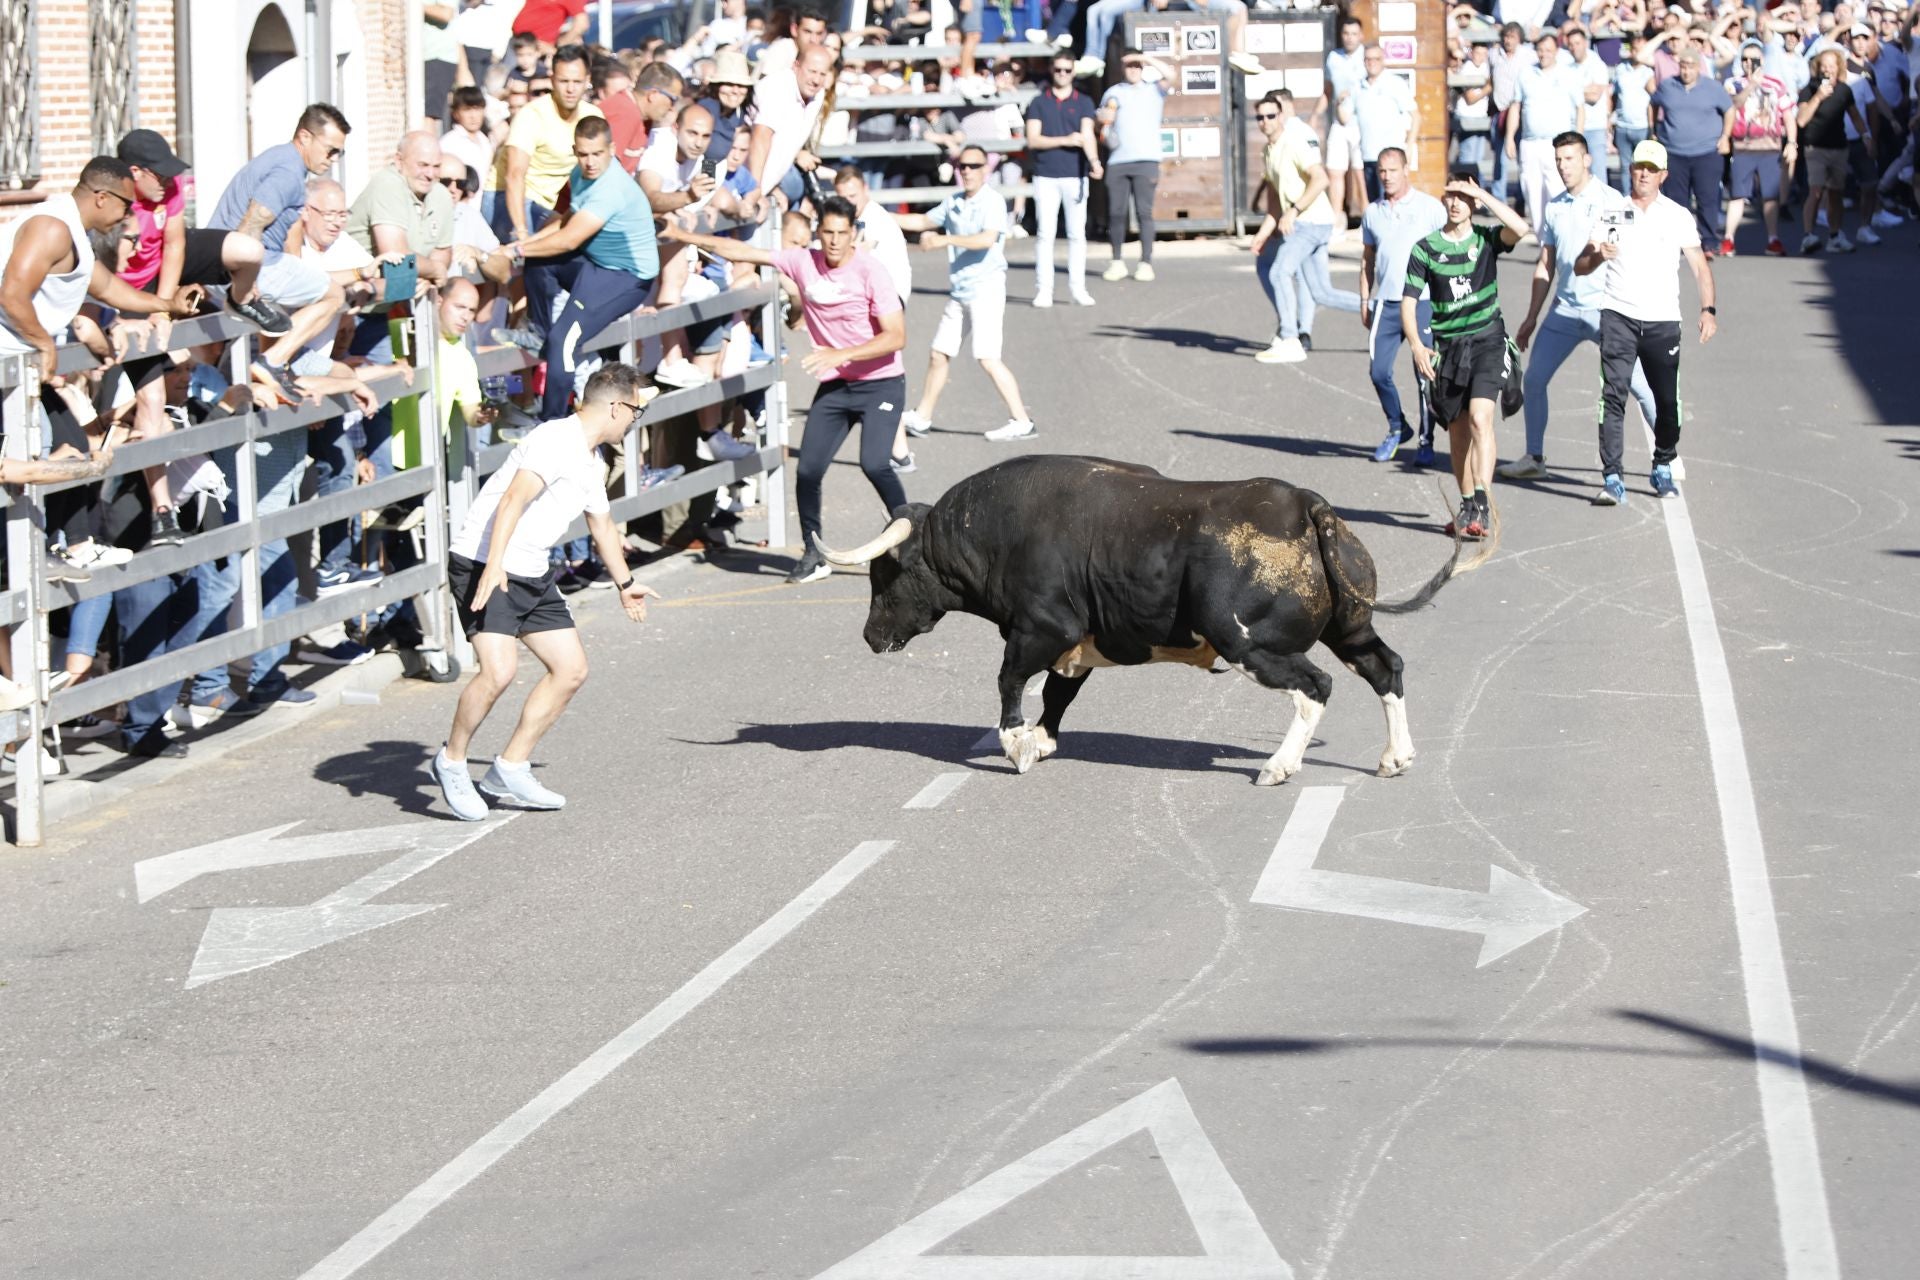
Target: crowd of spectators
[1803,107]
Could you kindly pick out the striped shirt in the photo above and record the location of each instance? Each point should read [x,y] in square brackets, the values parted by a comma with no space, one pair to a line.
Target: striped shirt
[1460,278]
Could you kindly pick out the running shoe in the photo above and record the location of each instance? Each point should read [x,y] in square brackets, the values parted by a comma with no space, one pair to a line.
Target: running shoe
[1524,467]
[1424,456]
[1867,236]
[61,566]
[265,316]
[1663,485]
[89,726]
[1887,220]
[1283,351]
[903,465]
[681,372]
[333,581]
[281,695]
[1144,273]
[1083,299]
[652,477]
[1016,429]
[1613,492]
[1396,436]
[166,530]
[1306,342]
[525,339]
[1116,270]
[1469,525]
[1810,244]
[456,785]
[344,654]
[515,782]
[916,425]
[1840,243]
[1043,301]
[812,567]
[1726,247]
[724,446]
[1776,248]
[49,763]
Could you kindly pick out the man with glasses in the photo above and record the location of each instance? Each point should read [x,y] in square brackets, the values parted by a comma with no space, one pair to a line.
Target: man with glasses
[1690,124]
[1383,113]
[521,194]
[1763,135]
[505,591]
[1065,157]
[264,200]
[1130,115]
[1290,247]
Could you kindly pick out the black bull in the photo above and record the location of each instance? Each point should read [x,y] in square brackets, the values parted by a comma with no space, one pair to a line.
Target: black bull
[1086,563]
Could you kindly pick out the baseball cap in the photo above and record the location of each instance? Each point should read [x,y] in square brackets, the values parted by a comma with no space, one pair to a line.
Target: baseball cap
[150,151]
[1649,153]
[1860,29]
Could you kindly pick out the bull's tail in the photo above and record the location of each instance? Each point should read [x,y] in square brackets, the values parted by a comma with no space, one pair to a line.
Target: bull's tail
[1453,568]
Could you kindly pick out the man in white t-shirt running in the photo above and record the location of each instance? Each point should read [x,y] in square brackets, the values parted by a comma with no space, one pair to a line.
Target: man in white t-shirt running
[1638,245]
[503,585]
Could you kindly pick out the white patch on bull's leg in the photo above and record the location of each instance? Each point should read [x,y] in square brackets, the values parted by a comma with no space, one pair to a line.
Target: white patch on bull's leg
[1293,748]
[1026,746]
[1399,753]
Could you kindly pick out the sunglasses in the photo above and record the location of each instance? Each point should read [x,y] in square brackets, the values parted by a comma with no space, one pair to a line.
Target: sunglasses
[1134,66]
[1266,115]
[452,184]
[970,164]
[1063,71]
[126,205]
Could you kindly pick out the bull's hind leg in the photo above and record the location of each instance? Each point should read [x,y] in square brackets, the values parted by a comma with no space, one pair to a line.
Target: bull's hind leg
[1310,687]
[1368,657]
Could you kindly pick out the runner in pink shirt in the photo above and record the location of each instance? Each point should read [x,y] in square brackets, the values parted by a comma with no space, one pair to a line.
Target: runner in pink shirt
[853,315]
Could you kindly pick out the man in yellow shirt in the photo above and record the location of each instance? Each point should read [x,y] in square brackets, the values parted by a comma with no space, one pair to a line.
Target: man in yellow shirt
[1291,245]
[538,157]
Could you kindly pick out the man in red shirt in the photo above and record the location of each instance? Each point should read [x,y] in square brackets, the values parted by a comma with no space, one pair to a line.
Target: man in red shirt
[613,94]
[553,22]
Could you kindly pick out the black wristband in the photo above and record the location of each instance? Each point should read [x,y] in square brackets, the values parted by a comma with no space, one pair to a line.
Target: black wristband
[1710,311]
[622,586]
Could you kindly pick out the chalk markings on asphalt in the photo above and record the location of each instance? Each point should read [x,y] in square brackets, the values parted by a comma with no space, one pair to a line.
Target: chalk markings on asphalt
[931,795]
[1236,1246]
[603,1062]
[1799,1183]
[241,939]
[1511,913]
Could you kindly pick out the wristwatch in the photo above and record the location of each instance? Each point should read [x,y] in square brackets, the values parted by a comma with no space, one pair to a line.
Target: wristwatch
[622,586]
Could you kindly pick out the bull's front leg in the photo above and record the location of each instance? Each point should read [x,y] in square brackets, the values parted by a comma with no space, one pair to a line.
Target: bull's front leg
[1027,655]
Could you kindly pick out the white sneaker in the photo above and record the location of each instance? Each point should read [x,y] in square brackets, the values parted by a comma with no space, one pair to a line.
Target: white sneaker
[1245,63]
[680,372]
[1035,35]
[1811,244]
[1283,351]
[1044,300]
[1840,243]
[49,763]
[722,446]
[91,554]
[1089,66]
[1016,429]
[1116,270]
[1144,273]
[456,786]
[916,425]
[515,782]
[1062,41]
[1083,299]
[14,696]
[1867,235]
[1887,220]
[1524,467]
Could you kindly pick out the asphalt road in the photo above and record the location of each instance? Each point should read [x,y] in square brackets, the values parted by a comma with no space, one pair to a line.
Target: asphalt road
[801,985]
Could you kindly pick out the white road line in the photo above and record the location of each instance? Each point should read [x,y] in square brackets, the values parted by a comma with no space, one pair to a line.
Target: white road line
[1799,1184]
[562,1093]
[936,791]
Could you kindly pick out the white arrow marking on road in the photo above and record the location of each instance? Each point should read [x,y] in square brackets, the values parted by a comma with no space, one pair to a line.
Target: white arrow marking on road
[1510,914]
[1236,1247]
[241,939]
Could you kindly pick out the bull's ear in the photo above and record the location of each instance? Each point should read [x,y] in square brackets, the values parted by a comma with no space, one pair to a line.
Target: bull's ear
[917,512]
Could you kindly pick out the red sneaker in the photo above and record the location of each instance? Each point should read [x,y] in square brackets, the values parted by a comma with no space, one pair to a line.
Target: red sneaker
[1726,248]
[1775,249]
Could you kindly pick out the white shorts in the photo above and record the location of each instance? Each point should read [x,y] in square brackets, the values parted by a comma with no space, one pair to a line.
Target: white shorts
[984,312]
[291,282]
[1343,147]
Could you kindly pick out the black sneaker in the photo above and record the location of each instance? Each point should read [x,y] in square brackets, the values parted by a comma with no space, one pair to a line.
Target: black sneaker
[166,530]
[1306,341]
[812,567]
[264,315]
[282,379]
[155,746]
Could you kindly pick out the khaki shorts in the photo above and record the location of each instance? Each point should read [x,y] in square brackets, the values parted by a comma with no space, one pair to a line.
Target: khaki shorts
[1827,167]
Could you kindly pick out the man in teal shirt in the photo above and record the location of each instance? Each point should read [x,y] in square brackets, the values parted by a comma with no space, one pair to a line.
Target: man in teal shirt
[601,251]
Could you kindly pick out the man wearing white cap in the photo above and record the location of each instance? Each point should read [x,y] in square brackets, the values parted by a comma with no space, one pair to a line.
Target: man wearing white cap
[1637,244]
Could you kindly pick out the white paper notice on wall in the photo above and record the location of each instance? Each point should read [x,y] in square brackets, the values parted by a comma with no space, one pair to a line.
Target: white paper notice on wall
[1200,144]
[1265,83]
[1397,15]
[1304,37]
[1305,84]
[1265,37]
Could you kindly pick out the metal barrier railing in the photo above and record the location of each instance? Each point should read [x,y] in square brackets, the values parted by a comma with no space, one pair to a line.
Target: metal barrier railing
[30,598]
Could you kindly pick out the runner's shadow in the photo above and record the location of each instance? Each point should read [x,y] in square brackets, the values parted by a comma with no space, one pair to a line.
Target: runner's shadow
[1299,445]
[1223,343]
[947,743]
[396,770]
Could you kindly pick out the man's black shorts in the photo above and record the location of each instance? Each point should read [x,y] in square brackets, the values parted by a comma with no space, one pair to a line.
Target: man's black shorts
[526,606]
[1469,368]
[203,264]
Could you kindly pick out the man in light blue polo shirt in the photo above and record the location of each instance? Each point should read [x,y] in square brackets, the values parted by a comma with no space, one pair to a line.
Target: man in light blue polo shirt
[1381,109]
[1575,314]
[1549,102]
[1392,224]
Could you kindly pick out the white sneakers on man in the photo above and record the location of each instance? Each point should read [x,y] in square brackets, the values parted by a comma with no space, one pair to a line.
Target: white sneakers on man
[680,372]
[1016,429]
[1283,351]
[1116,270]
[515,782]
[916,425]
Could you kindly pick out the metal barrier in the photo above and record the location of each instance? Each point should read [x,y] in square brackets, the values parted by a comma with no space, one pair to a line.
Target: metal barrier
[30,598]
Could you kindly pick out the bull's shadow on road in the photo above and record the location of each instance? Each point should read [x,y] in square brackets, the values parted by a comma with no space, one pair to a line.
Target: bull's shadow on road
[1706,1043]
[1225,344]
[953,743]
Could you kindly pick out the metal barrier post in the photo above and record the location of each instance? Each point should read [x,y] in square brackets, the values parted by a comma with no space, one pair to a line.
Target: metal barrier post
[26,552]
[435,441]
[776,436]
[246,496]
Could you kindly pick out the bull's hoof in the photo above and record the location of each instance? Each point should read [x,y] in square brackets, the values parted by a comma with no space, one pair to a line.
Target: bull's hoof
[1271,777]
[1027,746]
[1392,766]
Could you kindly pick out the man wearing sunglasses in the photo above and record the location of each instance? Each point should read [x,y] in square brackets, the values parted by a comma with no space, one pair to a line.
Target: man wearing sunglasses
[1065,157]
[1291,244]
[505,589]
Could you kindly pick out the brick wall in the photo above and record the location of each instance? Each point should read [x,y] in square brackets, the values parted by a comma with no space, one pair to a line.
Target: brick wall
[384,115]
[153,25]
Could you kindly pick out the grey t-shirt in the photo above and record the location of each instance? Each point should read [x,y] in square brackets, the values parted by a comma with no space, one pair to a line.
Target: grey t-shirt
[1136,130]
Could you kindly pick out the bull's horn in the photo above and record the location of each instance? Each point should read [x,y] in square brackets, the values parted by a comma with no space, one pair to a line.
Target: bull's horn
[890,537]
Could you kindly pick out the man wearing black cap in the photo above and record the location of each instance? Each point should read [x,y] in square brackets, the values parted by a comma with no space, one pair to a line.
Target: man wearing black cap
[169,255]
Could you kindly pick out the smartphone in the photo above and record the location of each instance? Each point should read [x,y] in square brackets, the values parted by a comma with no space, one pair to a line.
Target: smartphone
[709,166]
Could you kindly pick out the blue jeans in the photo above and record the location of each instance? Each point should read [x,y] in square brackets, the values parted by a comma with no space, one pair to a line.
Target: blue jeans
[1102,18]
[157,617]
[493,207]
[1505,168]
[1693,182]
[1597,154]
[1473,152]
[84,625]
[279,572]
[1556,339]
[331,453]
[596,297]
[1383,347]
[1302,254]
[1624,141]
[1061,18]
